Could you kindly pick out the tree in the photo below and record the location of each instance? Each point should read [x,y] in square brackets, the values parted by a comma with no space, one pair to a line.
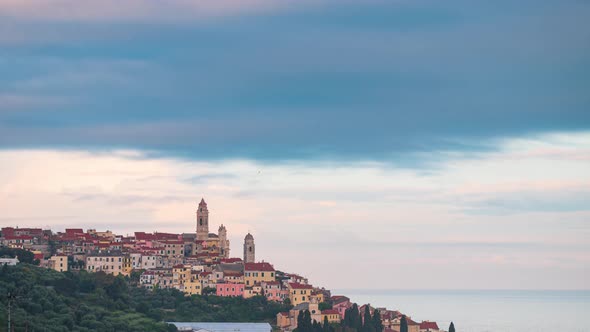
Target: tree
[368,320]
[209,291]
[307,326]
[452,327]
[403,326]
[377,324]
[324,306]
[326,327]
[300,321]
[359,321]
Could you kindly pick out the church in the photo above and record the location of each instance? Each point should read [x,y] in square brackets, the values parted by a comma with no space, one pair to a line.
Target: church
[210,243]
[217,245]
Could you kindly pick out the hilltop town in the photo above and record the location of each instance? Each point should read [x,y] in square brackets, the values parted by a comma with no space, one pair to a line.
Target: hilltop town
[196,264]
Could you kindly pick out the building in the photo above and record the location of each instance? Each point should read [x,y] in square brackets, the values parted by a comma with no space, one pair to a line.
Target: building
[427,326]
[256,273]
[283,321]
[299,293]
[206,242]
[9,261]
[341,303]
[221,327]
[58,263]
[229,289]
[109,262]
[412,326]
[332,315]
[193,287]
[249,249]
[272,291]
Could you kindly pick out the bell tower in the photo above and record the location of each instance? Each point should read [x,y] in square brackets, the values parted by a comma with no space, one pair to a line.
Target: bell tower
[223,241]
[249,249]
[202,221]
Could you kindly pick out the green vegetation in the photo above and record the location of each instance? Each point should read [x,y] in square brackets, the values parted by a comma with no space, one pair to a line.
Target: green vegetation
[46,300]
[362,322]
[24,256]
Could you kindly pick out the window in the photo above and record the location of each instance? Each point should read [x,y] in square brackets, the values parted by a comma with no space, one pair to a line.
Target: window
[201,221]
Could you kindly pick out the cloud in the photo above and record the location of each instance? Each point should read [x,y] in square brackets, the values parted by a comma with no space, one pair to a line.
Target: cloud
[377,81]
[420,221]
[133,10]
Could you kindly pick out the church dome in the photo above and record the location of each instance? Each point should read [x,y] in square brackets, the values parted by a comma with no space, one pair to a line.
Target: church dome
[249,237]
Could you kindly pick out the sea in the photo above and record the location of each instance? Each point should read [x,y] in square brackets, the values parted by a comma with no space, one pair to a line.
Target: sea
[486,310]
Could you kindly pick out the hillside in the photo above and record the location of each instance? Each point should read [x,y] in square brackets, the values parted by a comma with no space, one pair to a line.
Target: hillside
[46,300]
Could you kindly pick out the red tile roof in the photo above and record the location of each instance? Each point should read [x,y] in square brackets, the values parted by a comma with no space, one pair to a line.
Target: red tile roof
[171,241]
[19,237]
[295,285]
[259,267]
[231,260]
[428,325]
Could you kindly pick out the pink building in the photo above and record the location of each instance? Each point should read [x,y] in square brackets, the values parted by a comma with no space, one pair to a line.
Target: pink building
[341,303]
[272,291]
[230,289]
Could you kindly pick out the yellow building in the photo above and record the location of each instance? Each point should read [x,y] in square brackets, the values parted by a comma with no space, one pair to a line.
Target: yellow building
[332,315]
[110,263]
[252,291]
[181,274]
[192,287]
[58,263]
[255,273]
[319,296]
[127,266]
[299,293]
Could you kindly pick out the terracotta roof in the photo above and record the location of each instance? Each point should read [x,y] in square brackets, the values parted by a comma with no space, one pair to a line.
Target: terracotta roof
[259,267]
[295,285]
[339,299]
[428,325]
[74,231]
[19,237]
[284,314]
[231,260]
[171,241]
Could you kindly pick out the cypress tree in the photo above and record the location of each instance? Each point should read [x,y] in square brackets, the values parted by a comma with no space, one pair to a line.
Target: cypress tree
[300,326]
[315,326]
[307,321]
[403,327]
[368,321]
[377,324]
[347,318]
[359,321]
[326,327]
[452,327]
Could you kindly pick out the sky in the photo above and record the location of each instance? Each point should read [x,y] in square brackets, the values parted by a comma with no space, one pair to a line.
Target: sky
[407,144]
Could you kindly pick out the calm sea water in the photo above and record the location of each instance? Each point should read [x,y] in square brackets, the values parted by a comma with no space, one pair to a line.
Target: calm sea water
[486,311]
